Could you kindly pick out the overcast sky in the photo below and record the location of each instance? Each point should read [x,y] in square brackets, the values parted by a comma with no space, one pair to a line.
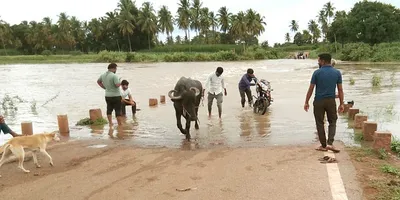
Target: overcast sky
[278,14]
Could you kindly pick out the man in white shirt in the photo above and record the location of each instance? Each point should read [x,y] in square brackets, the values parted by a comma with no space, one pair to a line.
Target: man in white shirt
[215,84]
[127,98]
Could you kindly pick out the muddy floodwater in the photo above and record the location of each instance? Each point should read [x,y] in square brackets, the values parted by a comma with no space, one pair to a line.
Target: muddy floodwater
[51,89]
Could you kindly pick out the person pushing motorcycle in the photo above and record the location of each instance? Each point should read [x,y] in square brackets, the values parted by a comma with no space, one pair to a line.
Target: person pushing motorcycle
[244,86]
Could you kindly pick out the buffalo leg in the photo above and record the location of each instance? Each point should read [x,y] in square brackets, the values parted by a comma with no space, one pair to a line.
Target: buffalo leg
[187,130]
[196,125]
[179,123]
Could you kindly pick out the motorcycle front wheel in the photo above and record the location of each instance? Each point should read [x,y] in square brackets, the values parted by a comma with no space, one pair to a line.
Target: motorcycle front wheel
[260,106]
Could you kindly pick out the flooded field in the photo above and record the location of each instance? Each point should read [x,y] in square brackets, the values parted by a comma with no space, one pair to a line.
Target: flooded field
[49,90]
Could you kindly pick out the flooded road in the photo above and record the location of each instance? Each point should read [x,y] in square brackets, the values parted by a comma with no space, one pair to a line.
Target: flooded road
[72,89]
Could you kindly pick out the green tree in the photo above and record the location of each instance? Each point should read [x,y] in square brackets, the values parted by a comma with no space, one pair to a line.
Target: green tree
[165,21]
[125,20]
[224,18]
[148,21]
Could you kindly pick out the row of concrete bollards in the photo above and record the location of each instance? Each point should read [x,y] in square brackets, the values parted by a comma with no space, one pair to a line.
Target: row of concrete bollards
[63,126]
[62,120]
[380,139]
[154,101]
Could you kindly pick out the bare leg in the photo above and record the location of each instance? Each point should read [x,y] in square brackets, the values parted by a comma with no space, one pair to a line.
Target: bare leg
[219,104]
[110,123]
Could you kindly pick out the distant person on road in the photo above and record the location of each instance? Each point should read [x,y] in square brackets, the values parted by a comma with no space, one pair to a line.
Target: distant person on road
[215,85]
[244,86]
[325,79]
[6,130]
[127,99]
[110,82]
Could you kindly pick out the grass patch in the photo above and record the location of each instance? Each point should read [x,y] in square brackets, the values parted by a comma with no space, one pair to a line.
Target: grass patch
[376,80]
[358,136]
[378,173]
[87,121]
[389,169]
[352,81]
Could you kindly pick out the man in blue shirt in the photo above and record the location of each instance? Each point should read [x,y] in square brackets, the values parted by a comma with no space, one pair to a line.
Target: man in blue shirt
[325,79]
[244,86]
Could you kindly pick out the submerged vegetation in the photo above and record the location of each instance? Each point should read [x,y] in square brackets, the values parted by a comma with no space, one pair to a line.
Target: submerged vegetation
[87,121]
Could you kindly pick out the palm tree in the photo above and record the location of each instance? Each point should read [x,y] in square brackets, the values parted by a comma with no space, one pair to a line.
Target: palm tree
[322,19]
[184,16]
[195,12]
[64,25]
[251,22]
[148,20]
[239,26]
[261,24]
[213,23]
[314,30]
[125,20]
[5,34]
[329,11]
[112,25]
[294,26]
[287,37]
[165,21]
[224,18]
[204,23]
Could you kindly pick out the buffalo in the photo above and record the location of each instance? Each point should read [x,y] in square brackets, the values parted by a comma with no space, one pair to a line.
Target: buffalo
[186,97]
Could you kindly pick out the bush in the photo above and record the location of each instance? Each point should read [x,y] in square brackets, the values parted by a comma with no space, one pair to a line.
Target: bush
[356,52]
[46,53]
[75,53]
[197,48]
[111,56]
[226,56]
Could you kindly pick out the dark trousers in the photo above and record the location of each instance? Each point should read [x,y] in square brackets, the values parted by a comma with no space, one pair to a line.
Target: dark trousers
[114,103]
[327,105]
[5,128]
[248,94]
[123,109]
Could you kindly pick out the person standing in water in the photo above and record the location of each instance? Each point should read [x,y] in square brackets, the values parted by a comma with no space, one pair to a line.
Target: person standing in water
[215,85]
[244,87]
[110,82]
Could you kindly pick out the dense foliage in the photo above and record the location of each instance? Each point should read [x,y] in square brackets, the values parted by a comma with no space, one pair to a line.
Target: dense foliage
[130,28]
[369,31]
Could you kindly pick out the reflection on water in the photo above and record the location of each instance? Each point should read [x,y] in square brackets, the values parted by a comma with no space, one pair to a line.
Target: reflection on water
[71,89]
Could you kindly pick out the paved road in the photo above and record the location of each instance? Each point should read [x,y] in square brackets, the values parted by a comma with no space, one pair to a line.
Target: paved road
[123,172]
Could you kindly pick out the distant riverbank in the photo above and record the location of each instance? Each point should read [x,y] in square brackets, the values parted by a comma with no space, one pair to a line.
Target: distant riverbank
[146,57]
[105,56]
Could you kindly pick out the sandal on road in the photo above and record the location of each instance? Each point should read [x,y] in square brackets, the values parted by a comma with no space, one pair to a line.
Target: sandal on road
[332,148]
[320,148]
[330,160]
[325,158]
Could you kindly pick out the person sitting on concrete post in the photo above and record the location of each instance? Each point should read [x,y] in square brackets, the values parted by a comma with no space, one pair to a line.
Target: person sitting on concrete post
[127,98]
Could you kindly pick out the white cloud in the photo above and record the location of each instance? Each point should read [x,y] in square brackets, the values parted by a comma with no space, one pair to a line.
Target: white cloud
[278,14]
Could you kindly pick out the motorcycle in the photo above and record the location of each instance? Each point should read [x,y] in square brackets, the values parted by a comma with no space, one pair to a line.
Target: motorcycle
[263,98]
